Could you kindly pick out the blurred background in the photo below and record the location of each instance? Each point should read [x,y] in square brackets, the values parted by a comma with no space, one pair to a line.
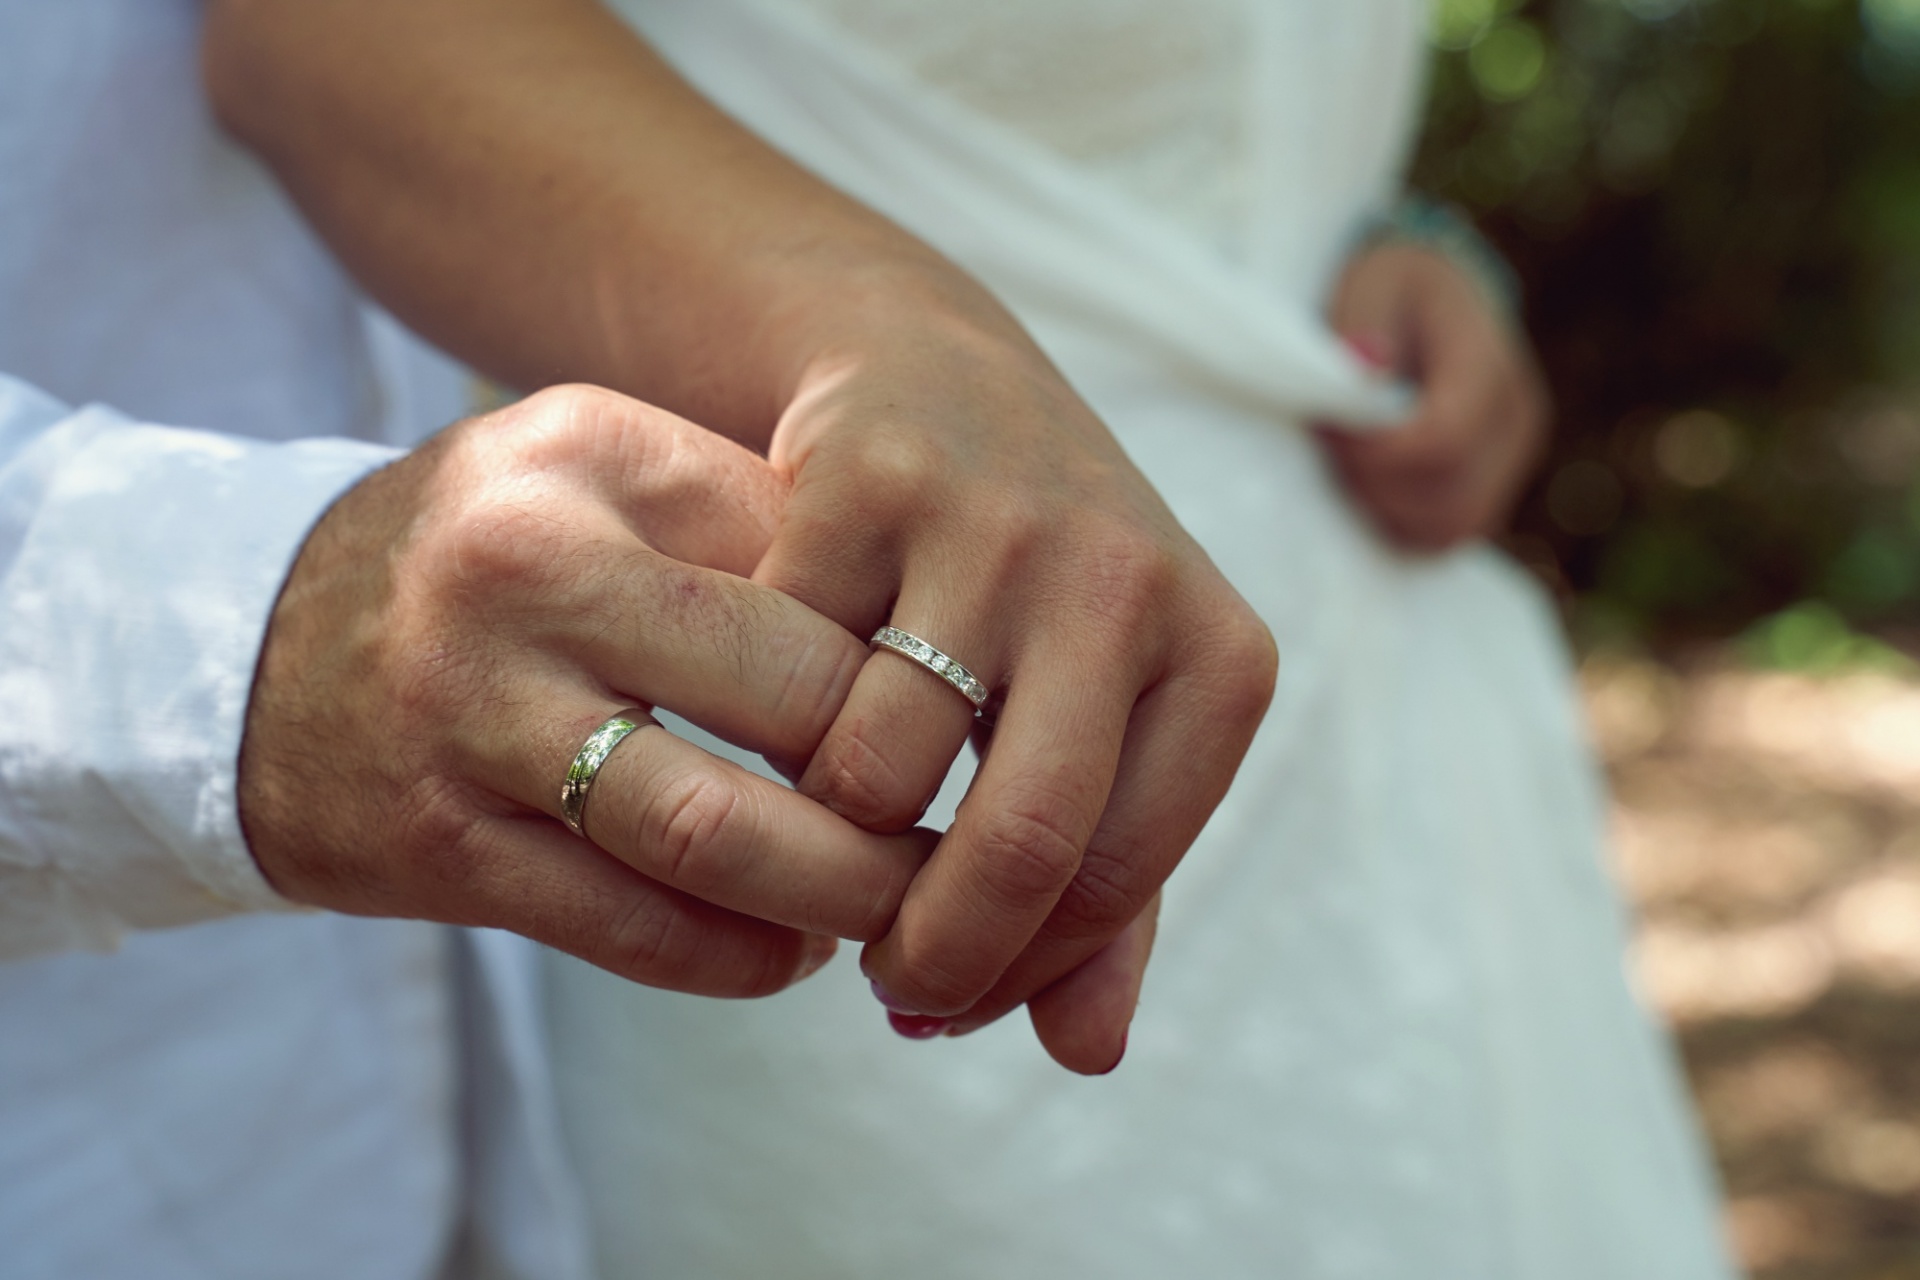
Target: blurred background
[1715,207]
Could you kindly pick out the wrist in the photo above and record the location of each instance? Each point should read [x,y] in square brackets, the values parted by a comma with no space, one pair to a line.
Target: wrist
[1416,221]
[915,330]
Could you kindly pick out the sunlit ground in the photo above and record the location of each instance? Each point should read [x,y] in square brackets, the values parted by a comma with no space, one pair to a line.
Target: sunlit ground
[1768,828]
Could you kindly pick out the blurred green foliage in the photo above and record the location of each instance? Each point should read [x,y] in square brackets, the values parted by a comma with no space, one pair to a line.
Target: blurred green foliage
[1715,205]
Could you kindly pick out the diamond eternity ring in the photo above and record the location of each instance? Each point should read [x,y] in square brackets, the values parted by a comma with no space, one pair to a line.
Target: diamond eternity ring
[908,645]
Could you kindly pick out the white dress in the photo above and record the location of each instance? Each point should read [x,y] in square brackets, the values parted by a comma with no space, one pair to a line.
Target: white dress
[1386,1033]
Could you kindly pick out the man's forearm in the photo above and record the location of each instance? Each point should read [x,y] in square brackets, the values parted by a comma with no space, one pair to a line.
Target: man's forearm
[527,184]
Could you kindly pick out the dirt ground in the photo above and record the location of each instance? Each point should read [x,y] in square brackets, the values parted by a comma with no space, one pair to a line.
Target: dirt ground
[1767,828]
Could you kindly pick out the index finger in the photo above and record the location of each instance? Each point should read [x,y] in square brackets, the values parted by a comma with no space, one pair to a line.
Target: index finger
[1015,844]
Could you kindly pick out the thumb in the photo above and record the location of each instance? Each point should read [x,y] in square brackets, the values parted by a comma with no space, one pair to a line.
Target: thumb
[693,495]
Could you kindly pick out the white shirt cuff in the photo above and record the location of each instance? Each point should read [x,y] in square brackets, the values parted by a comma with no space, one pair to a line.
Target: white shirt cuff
[131,619]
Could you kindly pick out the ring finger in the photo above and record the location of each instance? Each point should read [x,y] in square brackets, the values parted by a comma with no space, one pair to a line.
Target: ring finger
[906,717]
[530,876]
[701,824]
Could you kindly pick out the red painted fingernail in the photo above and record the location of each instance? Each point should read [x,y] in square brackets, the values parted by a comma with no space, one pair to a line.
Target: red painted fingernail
[1370,349]
[915,1027]
[1123,1053]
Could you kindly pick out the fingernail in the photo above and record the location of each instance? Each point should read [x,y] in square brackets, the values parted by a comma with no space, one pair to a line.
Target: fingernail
[1371,350]
[820,949]
[915,1027]
[893,1003]
[1122,1055]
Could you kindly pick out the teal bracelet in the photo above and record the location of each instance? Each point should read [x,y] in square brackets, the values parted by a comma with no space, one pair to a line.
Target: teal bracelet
[1430,224]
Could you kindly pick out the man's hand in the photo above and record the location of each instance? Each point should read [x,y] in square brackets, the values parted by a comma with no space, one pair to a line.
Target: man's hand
[457,625]
[951,484]
[1454,471]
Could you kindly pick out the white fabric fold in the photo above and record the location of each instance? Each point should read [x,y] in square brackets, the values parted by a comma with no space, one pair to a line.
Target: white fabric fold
[138,567]
[1049,242]
[1386,1032]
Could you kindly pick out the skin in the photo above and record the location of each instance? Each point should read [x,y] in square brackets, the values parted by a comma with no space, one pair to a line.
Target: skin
[457,625]
[943,477]
[457,153]
[1453,472]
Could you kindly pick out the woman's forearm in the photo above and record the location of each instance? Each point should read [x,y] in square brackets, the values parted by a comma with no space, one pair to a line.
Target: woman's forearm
[529,185]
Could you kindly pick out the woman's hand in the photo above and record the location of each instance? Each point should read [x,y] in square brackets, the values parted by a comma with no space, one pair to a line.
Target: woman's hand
[949,483]
[1454,472]
[457,625]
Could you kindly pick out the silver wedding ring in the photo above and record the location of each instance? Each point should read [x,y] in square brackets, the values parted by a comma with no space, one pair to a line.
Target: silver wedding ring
[586,766]
[908,645]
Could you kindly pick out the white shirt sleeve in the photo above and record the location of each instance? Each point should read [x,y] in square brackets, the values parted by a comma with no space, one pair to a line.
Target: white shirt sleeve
[138,567]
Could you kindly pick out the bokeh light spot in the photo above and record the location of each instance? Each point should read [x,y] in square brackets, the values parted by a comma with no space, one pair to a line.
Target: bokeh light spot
[1508,61]
[1697,449]
[1584,498]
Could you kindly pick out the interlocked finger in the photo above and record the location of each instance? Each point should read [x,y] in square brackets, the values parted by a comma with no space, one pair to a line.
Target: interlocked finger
[905,720]
[1016,842]
[530,876]
[742,661]
[703,825]
[1185,737]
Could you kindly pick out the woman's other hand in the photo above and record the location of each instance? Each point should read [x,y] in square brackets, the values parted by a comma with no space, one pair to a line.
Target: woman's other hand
[1454,471]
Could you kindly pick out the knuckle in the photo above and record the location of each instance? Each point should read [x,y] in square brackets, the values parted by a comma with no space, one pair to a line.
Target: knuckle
[495,545]
[881,910]
[1130,573]
[859,782]
[1101,901]
[656,941]
[555,427]
[894,470]
[568,403]
[686,829]
[651,942]
[1255,655]
[817,679]
[445,837]
[882,906]
[1018,524]
[936,987]
[1242,665]
[1032,847]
